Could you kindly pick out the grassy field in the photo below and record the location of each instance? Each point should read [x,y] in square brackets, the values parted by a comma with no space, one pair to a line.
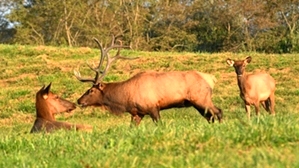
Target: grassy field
[183,139]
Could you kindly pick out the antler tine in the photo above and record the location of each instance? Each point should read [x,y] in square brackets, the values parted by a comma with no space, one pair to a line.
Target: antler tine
[78,76]
[103,54]
[115,46]
[112,59]
[102,57]
[95,69]
[118,56]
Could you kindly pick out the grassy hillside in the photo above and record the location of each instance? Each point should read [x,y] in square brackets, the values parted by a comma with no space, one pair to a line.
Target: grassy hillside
[183,139]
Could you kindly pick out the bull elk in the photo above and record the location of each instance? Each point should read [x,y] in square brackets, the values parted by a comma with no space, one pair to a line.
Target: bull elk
[255,88]
[147,93]
[47,105]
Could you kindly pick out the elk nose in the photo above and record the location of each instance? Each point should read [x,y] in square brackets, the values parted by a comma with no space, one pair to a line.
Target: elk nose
[73,106]
[80,102]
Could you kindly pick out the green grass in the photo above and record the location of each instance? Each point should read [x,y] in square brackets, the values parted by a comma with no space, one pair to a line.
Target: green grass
[182,139]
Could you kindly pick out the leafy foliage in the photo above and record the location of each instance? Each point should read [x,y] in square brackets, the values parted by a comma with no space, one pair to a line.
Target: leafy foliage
[156,25]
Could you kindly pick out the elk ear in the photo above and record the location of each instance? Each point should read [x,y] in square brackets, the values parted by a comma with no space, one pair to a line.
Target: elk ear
[230,62]
[46,91]
[248,59]
[101,86]
[42,89]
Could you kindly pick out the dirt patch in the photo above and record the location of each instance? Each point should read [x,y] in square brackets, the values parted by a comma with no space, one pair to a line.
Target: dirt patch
[24,118]
[281,71]
[62,65]
[9,81]
[228,75]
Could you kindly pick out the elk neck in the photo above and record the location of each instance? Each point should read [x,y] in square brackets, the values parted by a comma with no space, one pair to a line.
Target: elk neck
[241,82]
[42,110]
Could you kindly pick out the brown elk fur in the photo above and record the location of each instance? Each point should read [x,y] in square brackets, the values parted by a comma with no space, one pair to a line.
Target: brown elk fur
[255,88]
[47,105]
[149,92]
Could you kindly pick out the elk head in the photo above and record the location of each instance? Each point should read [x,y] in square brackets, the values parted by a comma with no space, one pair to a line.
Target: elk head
[93,96]
[48,104]
[239,65]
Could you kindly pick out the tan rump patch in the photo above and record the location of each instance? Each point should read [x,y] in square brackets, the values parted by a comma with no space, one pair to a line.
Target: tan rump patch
[210,79]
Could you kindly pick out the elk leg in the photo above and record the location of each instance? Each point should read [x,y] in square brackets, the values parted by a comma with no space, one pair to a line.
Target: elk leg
[207,114]
[247,108]
[265,105]
[207,110]
[217,112]
[257,108]
[155,115]
[213,112]
[137,118]
[272,103]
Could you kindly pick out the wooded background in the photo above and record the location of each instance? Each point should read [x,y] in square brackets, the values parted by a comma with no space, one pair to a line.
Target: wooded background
[269,26]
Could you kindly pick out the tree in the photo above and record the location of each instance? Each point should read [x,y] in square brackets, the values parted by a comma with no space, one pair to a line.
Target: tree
[288,14]
[166,26]
[161,25]
[7,29]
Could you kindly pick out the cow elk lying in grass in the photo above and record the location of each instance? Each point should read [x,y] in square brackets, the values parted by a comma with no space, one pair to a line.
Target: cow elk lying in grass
[255,88]
[149,92]
[47,105]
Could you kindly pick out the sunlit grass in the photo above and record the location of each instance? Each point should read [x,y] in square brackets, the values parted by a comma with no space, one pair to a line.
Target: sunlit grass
[182,139]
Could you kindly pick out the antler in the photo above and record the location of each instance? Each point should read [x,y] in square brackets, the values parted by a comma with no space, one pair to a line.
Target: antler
[104,54]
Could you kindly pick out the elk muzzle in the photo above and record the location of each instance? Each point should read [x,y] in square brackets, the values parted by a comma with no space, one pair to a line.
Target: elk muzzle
[69,106]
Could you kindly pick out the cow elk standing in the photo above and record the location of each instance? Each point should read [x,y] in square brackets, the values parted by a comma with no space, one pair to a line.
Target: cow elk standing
[255,88]
[149,92]
[47,105]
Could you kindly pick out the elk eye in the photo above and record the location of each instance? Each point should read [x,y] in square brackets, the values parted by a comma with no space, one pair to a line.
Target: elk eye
[91,90]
